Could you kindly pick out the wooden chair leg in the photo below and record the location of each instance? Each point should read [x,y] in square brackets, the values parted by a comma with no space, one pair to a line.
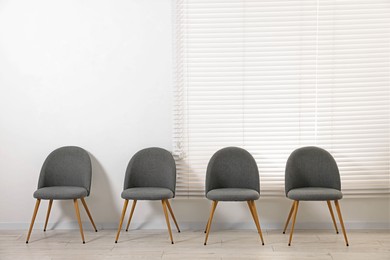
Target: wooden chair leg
[88,213]
[288,218]
[131,214]
[121,220]
[215,203]
[296,204]
[48,214]
[332,215]
[33,219]
[252,208]
[205,229]
[173,216]
[164,205]
[76,207]
[336,202]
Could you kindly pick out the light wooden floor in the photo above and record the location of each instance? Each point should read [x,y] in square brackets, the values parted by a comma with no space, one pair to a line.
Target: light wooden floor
[223,244]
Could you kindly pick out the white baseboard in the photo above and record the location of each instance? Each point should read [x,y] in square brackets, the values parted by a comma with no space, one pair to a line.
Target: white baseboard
[195,225]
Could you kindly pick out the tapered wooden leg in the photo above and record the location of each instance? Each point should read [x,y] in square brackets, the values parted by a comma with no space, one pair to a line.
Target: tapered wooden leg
[205,229]
[296,204]
[332,215]
[288,218]
[215,203]
[33,219]
[48,214]
[336,202]
[121,220]
[76,207]
[252,208]
[88,213]
[164,205]
[173,215]
[131,214]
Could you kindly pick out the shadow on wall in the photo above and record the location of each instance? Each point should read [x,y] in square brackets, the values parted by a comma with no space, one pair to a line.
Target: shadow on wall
[100,202]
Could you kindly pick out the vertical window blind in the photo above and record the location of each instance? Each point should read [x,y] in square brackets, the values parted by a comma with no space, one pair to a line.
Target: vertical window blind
[274,75]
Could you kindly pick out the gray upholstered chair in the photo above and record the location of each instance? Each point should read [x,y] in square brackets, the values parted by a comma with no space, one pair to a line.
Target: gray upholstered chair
[65,175]
[312,175]
[232,175]
[150,175]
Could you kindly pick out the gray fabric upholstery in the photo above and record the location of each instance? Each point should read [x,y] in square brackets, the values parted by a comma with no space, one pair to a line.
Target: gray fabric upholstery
[65,169]
[147,193]
[232,168]
[312,167]
[60,193]
[151,167]
[314,194]
[233,194]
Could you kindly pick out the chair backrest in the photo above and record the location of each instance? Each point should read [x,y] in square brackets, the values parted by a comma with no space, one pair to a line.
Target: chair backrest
[232,167]
[151,167]
[311,167]
[67,166]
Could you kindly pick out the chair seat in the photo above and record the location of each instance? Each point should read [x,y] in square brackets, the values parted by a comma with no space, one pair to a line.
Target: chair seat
[314,193]
[232,194]
[60,193]
[147,193]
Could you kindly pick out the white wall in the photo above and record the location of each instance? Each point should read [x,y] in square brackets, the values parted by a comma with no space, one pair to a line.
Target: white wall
[97,74]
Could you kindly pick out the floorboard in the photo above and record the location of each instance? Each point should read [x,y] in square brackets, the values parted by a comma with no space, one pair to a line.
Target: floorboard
[223,244]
